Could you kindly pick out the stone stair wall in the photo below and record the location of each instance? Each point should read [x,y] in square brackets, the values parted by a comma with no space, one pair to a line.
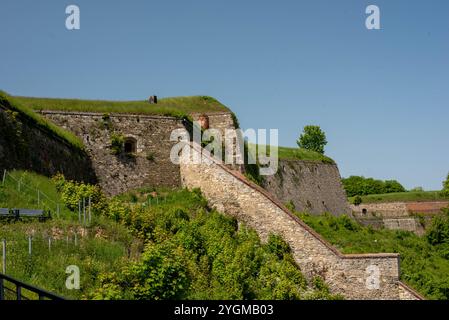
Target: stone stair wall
[355,276]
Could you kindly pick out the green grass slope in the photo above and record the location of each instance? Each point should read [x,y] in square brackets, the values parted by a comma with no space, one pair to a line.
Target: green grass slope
[410,196]
[288,153]
[15,105]
[177,106]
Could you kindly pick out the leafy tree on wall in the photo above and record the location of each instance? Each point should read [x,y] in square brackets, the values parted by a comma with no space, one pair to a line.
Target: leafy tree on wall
[312,138]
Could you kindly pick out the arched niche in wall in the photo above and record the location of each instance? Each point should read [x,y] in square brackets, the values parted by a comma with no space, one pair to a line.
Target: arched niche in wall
[130,145]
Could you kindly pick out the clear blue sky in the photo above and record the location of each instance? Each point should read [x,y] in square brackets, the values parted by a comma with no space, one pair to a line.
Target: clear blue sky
[382,96]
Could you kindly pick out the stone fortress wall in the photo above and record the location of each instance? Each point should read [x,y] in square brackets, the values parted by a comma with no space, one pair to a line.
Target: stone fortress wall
[360,276]
[312,187]
[149,164]
[231,193]
[26,145]
[398,215]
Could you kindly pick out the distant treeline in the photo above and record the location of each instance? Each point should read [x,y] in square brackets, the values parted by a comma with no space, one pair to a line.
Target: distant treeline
[361,186]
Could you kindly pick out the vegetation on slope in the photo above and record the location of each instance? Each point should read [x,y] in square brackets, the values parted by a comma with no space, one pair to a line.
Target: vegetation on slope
[415,196]
[99,247]
[288,153]
[424,260]
[177,106]
[18,108]
[187,251]
[359,186]
[193,253]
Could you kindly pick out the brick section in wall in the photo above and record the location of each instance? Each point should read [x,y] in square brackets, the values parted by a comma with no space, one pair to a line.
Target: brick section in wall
[350,275]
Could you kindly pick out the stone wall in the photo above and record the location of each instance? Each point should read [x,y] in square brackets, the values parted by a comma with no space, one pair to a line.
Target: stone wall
[350,275]
[312,187]
[26,145]
[220,121]
[150,165]
[398,215]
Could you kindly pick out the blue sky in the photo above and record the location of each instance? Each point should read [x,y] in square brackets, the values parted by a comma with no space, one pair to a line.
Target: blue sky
[380,95]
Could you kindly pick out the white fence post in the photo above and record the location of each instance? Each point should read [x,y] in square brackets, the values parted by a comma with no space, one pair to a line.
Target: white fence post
[84,211]
[4,177]
[79,211]
[90,211]
[30,247]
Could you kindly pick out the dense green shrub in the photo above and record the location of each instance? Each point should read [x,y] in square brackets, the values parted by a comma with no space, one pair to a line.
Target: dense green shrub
[117,142]
[438,232]
[73,192]
[195,253]
[358,185]
[357,200]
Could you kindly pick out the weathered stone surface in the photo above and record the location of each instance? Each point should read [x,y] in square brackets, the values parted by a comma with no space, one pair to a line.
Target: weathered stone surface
[149,166]
[229,192]
[313,187]
[29,146]
[398,215]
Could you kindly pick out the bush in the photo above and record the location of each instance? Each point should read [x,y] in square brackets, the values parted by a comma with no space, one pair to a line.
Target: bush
[194,253]
[117,142]
[438,232]
[73,192]
[312,138]
[357,200]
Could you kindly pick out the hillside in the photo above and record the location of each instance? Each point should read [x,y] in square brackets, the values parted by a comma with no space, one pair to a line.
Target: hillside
[176,106]
[62,241]
[189,251]
[424,260]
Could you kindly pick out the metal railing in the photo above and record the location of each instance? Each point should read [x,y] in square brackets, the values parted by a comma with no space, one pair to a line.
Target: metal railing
[16,292]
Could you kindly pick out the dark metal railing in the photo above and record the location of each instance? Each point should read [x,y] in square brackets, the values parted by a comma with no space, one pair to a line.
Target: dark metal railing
[16,293]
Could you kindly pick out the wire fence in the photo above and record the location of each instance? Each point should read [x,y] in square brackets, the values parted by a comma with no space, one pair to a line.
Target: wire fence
[16,250]
[34,198]
[31,196]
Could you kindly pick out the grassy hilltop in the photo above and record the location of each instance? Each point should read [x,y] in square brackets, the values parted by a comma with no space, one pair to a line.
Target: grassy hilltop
[177,106]
[409,196]
[13,105]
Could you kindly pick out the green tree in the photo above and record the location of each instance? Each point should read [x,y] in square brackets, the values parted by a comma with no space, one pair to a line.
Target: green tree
[446,186]
[357,185]
[312,138]
[357,200]
[393,186]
